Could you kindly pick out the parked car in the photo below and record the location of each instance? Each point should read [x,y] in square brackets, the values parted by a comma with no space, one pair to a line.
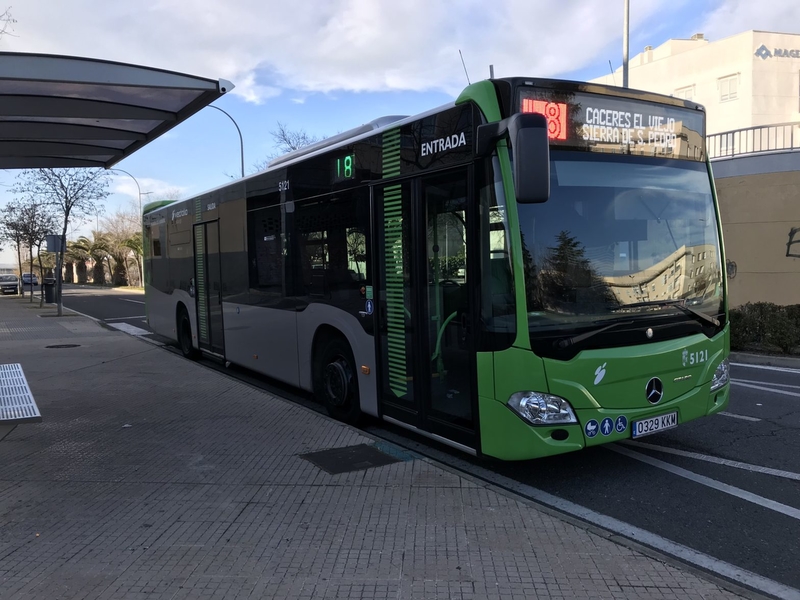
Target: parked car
[30,279]
[9,284]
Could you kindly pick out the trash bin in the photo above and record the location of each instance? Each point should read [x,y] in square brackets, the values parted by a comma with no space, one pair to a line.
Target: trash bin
[49,290]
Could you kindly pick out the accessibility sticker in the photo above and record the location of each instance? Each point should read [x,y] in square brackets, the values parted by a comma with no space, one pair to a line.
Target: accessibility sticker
[607,426]
[622,424]
[591,428]
[369,306]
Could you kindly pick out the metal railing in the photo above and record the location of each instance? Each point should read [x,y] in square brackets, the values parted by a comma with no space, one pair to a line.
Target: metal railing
[753,140]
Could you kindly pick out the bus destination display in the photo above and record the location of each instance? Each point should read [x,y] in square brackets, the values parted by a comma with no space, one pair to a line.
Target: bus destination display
[610,124]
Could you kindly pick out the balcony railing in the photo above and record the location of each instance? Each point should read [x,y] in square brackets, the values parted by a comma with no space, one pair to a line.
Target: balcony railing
[753,140]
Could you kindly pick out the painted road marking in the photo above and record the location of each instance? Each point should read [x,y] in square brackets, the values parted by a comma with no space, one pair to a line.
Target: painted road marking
[134,301]
[766,389]
[742,417]
[129,329]
[789,511]
[718,461]
[767,383]
[123,318]
[767,368]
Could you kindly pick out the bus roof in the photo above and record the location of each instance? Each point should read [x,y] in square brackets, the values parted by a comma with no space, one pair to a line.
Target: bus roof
[504,86]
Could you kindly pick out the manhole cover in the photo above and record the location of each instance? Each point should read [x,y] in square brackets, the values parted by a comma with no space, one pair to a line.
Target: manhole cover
[63,346]
[349,458]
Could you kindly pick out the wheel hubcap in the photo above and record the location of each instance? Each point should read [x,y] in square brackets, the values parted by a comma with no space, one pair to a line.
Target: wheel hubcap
[337,381]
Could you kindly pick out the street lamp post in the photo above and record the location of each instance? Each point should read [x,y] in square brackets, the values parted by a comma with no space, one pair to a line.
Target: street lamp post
[140,201]
[137,186]
[141,266]
[625,41]
[241,140]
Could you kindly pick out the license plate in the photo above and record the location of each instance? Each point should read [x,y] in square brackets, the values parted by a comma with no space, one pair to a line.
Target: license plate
[654,424]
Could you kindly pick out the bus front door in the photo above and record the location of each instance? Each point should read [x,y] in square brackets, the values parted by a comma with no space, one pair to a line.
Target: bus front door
[424,308]
[208,287]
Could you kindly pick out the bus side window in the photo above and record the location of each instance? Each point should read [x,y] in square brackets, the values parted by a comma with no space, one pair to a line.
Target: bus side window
[266,256]
[332,246]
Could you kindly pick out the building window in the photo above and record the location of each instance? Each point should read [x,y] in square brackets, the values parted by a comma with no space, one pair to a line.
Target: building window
[729,88]
[687,93]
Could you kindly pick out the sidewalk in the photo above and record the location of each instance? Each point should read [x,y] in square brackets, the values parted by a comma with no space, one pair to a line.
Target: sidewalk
[153,477]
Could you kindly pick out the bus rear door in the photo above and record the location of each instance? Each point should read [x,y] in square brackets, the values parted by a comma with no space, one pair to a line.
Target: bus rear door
[208,293]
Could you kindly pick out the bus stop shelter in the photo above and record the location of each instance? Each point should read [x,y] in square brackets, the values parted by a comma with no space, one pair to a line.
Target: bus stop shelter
[65,111]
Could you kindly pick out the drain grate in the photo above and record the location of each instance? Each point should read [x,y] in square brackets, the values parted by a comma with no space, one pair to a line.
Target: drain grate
[349,458]
[63,346]
[16,401]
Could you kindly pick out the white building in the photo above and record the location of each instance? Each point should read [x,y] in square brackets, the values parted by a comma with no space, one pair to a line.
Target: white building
[745,80]
[749,85]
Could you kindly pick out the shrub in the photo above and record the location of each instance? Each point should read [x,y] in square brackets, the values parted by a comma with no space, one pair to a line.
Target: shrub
[765,324]
[781,330]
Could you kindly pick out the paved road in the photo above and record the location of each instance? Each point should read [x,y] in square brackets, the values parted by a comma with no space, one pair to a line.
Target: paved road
[119,308]
[726,486]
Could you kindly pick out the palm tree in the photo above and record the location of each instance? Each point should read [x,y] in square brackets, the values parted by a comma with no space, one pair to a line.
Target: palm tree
[135,244]
[76,257]
[118,252]
[98,250]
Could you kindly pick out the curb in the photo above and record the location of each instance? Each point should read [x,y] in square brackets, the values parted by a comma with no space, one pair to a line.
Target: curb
[747,358]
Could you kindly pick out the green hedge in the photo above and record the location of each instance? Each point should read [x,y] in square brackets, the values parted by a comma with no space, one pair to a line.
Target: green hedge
[765,326]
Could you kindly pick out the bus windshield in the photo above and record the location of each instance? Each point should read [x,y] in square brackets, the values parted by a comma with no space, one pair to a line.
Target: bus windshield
[621,237]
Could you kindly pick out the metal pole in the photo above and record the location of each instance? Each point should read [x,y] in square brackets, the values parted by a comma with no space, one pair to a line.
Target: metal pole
[625,42]
[139,189]
[137,186]
[241,140]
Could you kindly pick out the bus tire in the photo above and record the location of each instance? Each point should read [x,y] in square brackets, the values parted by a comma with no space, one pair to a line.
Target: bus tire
[184,326]
[336,381]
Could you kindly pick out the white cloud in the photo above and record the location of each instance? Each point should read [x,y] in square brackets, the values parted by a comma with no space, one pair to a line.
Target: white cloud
[264,46]
[735,16]
[151,188]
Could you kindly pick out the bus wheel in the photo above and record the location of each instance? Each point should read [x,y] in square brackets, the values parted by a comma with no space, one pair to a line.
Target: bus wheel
[336,381]
[185,335]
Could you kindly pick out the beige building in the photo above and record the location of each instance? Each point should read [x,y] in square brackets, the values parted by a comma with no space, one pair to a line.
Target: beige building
[745,80]
[749,85]
[689,272]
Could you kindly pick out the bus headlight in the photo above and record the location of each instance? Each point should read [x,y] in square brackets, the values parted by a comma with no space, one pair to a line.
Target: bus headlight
[721,376]
[542,409]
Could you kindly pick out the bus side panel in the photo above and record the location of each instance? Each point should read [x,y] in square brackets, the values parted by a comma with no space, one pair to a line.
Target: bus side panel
[159,306]
[180,252]
[362,344]
[262,339]
[169,260]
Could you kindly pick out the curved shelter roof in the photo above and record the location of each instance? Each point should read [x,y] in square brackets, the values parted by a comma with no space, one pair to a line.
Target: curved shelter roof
[66,111]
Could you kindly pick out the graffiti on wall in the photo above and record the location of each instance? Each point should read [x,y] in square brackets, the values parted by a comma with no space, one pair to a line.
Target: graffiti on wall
[794,238]
[730,267]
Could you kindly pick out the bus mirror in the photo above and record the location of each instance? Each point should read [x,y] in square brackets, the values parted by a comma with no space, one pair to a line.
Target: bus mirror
[530,147]
[530,152]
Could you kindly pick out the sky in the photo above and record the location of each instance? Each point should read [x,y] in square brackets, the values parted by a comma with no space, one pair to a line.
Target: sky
[325,66]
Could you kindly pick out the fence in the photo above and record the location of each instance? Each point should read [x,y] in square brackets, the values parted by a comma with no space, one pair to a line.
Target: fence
[752,140]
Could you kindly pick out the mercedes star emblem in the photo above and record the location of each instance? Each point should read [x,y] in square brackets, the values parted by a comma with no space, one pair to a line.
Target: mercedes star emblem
[654,390]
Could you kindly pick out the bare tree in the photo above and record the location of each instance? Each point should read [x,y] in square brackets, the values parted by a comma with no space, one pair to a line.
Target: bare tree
[37,220]
[11,230]
[74,193]
[123,231]
[6,22]
[286,140]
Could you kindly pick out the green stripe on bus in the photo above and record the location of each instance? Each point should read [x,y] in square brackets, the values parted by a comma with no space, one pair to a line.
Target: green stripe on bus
[393,254]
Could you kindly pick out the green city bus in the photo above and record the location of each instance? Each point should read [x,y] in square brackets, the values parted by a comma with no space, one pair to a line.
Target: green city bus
[532,269]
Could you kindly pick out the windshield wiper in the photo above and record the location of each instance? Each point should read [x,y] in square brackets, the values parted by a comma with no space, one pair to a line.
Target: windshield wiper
[575,339]
[679,304]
